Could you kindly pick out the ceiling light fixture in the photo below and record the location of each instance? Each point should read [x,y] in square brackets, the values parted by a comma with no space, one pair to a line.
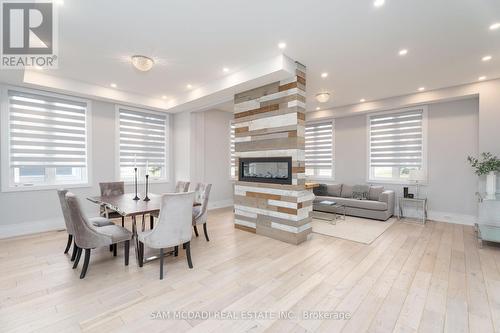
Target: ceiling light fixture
[225,69]
[189,86]
[362,100]
[113,85]
[318,108]
[324,75]
[421,89]
[403,52]
[164,97]
[282,45]
[323,97]
[495,26]
[142,63]
[481,78]
[486,58]
[379,3]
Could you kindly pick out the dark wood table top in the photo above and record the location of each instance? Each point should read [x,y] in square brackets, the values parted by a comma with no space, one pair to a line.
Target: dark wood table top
[126,206]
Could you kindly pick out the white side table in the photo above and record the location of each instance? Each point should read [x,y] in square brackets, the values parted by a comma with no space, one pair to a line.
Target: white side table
[421,202]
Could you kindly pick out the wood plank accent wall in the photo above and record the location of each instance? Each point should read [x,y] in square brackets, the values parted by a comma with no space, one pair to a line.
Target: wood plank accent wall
[270,122]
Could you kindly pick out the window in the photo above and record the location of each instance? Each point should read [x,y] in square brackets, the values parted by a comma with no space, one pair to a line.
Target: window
[232,156]
[143,143]
[46,137]
[396,144]
[319,150]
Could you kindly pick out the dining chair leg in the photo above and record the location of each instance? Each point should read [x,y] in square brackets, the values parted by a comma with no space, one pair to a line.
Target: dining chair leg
[195,230]
[123,221]
[188,254]
[77,259]
[85,263]
[114,249]
[127,251]
[68,245]
[205,231]
[176,251]
[151,221]
[161,264]
[75,250]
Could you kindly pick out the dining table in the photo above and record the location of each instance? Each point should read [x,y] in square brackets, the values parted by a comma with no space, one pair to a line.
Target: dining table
[125,205]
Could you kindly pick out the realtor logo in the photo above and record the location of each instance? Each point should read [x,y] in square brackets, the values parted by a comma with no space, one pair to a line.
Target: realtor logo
[28,34]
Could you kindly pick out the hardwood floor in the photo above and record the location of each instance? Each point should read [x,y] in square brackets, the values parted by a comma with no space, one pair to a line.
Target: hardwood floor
[413,278]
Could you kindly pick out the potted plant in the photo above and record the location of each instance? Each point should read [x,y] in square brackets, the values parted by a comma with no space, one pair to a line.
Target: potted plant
[487,165]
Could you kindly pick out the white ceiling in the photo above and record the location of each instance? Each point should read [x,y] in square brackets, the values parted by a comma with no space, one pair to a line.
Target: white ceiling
[356,43]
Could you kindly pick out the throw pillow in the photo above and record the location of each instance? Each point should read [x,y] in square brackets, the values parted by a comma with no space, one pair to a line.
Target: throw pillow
[320,190]
[334,190]
[360,192]
[375,192]
[346,191]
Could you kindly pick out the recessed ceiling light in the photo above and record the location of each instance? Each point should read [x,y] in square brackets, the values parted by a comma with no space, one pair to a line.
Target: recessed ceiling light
[379,3]
[282,45]
[403,52]
[481,78]
[362,100]
[486,58]
[324,75]
[225,69]
[189,86]
[142,63]
[113,85]
[318,108]
[164,97]
[421,89]
[495,26]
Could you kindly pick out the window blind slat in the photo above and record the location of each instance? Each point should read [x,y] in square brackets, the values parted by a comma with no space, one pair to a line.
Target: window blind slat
[142,138]
[46,130]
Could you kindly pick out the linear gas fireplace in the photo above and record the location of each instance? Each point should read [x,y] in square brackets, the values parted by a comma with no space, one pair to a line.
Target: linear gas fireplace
[276,170]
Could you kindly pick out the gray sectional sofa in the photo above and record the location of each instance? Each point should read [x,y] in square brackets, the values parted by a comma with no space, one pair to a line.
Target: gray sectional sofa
[373,202]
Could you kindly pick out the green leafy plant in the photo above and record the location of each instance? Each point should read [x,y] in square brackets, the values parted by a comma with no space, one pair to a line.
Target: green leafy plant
[487,163]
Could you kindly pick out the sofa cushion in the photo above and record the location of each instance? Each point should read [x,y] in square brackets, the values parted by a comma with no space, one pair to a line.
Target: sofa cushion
[360,192]
[374,193]
[363,204]
[320,190]
[346,191]
[334,190]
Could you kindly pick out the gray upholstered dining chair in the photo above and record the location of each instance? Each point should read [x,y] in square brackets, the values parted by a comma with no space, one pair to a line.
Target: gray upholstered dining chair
[180,186]
[96,221]
[200,212]
[173,227]
[111,189]
[88,237]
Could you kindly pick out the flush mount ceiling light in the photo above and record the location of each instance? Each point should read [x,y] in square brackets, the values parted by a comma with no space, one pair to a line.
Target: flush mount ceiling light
[282,45]
[362,100]
[486,58]
[403,52]
[318,108]
[495,26]
[324,75]
[421,89]
[113,85]
[323,97]
[142,63]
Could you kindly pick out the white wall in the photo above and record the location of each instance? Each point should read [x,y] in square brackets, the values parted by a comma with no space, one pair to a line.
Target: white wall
[201,146]
[33,211]
[452,136]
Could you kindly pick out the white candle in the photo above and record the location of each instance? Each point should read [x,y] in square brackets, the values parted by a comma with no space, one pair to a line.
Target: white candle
[147,167]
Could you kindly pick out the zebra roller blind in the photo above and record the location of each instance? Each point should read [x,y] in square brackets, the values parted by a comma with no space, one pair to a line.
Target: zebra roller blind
[319,149]
[396,139]
[46,131]
[142,138]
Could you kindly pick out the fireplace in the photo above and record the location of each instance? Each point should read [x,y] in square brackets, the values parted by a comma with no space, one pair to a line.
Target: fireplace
[276,170]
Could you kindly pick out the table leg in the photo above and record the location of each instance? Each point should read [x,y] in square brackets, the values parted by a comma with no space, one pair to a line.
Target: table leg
[136,240]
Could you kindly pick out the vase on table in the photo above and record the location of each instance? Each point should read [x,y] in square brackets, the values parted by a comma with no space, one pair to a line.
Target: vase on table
[491,185]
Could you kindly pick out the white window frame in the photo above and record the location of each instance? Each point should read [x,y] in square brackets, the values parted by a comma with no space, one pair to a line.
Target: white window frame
[6,171]
[142,180]
[322,178]
[398,181]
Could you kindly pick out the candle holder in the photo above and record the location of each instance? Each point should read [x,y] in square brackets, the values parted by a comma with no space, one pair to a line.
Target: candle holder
[135,177]
[147,183]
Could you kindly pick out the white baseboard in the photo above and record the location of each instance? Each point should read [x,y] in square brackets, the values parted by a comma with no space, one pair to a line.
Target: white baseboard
[451,217]
[33,227]
[220,204]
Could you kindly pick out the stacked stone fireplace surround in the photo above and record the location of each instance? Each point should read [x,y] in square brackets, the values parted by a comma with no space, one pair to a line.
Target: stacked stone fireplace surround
[270,122]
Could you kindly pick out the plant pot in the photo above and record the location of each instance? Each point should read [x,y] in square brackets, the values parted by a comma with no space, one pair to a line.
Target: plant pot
[491,185]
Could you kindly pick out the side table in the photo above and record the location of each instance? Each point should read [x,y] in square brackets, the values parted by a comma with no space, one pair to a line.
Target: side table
[421,202]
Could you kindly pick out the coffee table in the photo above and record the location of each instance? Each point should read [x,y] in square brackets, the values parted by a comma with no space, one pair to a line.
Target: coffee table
[328,211]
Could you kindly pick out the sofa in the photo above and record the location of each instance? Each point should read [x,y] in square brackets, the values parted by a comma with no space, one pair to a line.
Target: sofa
[373,202]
